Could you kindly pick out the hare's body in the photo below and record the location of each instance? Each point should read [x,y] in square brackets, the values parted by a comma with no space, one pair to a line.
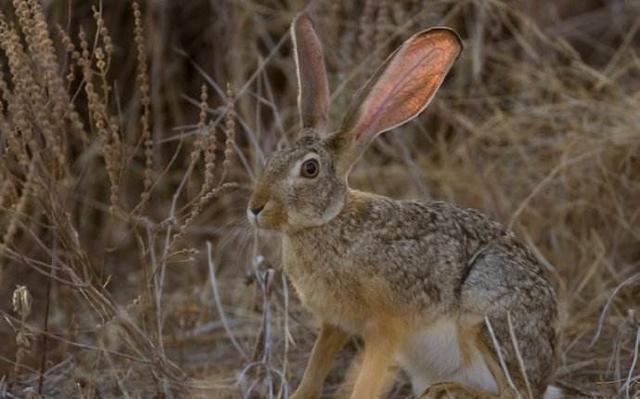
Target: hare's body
[425,266]
[439,289]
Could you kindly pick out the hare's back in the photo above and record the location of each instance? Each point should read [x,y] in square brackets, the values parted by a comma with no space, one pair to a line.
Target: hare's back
[428,250]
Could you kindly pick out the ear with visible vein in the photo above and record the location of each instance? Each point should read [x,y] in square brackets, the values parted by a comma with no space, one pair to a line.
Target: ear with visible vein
[400,90]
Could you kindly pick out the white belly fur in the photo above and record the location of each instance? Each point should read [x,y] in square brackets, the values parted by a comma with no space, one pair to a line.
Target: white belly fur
[434,355]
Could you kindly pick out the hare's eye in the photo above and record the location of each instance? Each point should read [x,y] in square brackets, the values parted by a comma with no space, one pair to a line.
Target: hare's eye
[309,169]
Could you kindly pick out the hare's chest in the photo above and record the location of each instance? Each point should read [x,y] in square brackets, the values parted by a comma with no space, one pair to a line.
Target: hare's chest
[329,304]
[325,289]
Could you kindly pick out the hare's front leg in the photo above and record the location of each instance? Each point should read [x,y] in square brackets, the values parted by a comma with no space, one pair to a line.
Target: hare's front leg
[379,350]
[351,376]
[330,340]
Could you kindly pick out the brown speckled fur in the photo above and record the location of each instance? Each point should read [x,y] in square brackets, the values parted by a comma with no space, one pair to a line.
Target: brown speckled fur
[386,269]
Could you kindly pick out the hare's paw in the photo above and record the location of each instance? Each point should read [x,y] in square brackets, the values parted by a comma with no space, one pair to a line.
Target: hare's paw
[453,390]
[302,393]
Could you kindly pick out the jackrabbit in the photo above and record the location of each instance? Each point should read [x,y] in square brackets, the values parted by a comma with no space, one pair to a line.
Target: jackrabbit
[448,294]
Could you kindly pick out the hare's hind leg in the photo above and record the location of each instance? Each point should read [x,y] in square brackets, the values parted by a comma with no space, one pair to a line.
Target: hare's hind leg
[518,312]
[451,390]
[459,390]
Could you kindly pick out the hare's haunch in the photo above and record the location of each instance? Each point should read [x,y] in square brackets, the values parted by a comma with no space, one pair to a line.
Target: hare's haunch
[450,295]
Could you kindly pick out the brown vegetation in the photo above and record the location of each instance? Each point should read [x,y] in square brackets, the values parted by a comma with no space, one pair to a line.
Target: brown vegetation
[130,136]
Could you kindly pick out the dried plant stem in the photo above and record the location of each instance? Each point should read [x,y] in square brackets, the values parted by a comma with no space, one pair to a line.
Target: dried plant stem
[218,302]
[142,79]
[45,327]
[634,362]
[629,281]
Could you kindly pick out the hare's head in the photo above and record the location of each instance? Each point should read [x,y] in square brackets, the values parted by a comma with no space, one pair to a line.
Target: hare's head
[305,184]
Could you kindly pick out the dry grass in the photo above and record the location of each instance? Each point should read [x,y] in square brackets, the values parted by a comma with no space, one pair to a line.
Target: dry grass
[130,136]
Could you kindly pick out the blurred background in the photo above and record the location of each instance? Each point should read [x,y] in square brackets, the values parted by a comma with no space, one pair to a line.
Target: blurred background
[131,134]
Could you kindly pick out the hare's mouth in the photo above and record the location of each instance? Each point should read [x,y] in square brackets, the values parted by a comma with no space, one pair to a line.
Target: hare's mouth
[253,214]
[255,219]
[265,219]
[252,217]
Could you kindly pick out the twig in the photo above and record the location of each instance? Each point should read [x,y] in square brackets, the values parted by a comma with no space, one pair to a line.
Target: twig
[216,297]
[43,356]
[627,384]
[631,280]
[547,180]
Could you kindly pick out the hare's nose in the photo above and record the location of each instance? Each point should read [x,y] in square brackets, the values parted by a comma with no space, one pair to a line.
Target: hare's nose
[256,209]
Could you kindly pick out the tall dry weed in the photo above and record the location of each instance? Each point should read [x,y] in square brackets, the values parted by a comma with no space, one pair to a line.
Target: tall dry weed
[70,176]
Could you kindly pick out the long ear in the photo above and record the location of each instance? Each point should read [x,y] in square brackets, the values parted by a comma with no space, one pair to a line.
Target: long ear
[401,88]
[313,88]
